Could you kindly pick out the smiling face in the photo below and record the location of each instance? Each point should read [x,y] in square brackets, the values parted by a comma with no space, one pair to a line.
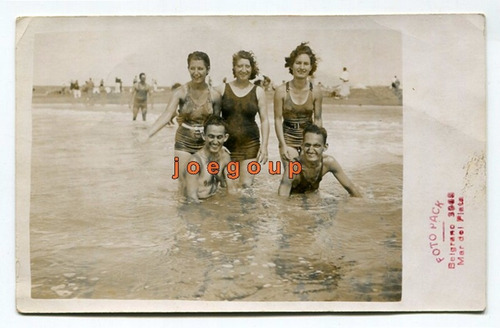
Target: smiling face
[242,69]
[197,70]
[302,66]
[313,146]
[215,136]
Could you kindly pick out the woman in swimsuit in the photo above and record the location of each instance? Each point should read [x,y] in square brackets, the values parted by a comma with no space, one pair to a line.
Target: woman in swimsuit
[196,101]
[296,103]
[241,102]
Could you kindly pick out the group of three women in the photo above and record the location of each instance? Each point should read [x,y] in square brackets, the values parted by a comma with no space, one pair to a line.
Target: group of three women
[296,105]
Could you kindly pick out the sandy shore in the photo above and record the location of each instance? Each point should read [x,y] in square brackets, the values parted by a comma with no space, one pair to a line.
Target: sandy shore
[375,96]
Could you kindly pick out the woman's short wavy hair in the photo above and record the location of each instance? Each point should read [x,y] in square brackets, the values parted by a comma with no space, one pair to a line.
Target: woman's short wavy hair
[301,49]
[199,55]
[242,54]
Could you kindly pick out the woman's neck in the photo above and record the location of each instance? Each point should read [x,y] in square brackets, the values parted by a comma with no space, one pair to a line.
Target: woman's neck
[198,86]
[241,83]
[299,84]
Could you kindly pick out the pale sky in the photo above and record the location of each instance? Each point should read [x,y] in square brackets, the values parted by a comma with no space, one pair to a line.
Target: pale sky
[79,48]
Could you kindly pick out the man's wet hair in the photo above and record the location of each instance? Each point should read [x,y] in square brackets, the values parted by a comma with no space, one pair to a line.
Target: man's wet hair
[313,128]
[214,120]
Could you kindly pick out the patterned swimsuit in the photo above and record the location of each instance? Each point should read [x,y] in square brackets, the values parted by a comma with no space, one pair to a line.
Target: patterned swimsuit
[191,117]
[296,117]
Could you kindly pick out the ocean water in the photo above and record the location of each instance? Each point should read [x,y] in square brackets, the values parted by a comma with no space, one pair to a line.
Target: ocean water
[106,221]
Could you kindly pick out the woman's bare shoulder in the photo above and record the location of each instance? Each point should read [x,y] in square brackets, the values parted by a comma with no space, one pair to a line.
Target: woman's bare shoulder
[220,88]
[280,90]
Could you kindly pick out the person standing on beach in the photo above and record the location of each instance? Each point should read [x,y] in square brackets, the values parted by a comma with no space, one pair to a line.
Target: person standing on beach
[211,161]
[241,102]
[296,103]
[89,88]
[395,83]
[196,101]
[345,88]
[118,85]
[140,92]
[72,88]
[77,93]
[313,166]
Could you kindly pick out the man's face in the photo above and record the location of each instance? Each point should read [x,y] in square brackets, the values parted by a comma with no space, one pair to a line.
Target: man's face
[215,136]
[313,147]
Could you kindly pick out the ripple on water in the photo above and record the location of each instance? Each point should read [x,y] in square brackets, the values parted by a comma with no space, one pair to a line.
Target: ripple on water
[106,221]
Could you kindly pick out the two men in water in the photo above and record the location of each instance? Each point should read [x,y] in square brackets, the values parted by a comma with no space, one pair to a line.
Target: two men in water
[202,183]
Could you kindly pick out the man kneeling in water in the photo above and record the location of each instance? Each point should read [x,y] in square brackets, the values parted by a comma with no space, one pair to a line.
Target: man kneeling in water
[314,166]
[209,163]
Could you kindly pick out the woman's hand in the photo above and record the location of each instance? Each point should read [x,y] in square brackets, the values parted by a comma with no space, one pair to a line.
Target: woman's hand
[285,154]
[262,156]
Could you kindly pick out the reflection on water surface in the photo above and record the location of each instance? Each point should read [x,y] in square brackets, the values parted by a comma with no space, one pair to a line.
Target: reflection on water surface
[106,221]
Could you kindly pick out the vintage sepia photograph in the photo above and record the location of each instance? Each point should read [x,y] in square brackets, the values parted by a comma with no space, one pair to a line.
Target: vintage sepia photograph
[245,163]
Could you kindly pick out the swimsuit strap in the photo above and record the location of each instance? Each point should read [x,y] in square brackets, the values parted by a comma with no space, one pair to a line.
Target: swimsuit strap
[254,87]
[231,94]
[209,98]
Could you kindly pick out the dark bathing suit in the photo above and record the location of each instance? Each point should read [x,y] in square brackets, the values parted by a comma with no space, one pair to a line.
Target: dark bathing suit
[296,118]
[301,185]
[239,113]
[141,95]
[191,117]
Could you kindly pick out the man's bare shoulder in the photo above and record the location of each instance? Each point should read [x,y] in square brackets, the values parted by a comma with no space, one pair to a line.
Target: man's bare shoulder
[196,158]
[330,163]
[225,157]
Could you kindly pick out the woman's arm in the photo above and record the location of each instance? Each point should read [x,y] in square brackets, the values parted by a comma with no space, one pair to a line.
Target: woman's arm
[285,184]
[264,125]
[216,101]
[318,106]
[279,96]
[166,116]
